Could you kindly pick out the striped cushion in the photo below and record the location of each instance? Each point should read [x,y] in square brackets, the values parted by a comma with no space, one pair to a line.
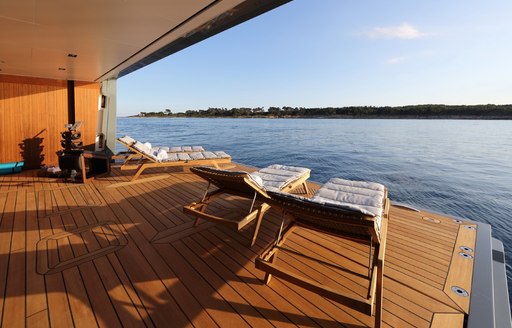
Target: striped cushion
[276,177]
[362,196]
[181,156]
[127,140]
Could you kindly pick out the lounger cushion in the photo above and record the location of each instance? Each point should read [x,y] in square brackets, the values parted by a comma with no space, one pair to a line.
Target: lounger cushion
[257,180]
[343,195]
[162,155]
[187,149]
[127,140]
[276,177]
[155,150]
[362,196]
[144,149]
[175,157]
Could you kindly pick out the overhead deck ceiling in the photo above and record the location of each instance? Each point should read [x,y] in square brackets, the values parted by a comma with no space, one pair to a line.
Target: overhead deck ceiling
[96,39]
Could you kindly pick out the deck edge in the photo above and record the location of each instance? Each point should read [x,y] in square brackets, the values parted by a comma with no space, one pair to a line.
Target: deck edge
[483,305]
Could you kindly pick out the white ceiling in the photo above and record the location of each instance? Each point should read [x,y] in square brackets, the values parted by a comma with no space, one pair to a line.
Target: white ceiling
[107,36]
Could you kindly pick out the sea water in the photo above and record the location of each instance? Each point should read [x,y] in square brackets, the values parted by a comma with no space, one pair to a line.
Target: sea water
[460,168]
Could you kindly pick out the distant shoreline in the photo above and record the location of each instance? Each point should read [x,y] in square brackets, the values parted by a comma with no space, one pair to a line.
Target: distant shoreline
[429,111]
[383,117]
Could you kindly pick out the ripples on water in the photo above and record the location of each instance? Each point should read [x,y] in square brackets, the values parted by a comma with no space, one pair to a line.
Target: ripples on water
[460,168]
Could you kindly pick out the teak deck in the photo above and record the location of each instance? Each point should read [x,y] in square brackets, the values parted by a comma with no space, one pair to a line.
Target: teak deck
[117,253]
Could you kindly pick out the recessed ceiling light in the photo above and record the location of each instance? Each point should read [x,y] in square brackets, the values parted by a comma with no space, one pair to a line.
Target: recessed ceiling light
[62,69]
[72,55]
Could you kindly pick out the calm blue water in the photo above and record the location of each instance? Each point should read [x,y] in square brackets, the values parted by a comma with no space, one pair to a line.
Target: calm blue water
[461,168]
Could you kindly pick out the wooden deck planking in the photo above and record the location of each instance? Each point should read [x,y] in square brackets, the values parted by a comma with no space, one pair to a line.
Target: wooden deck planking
[190,276]
[265,309]
[319,309]
[324,274]
[226,255]
[226,252]
[34,282]
[14,311]
[150,260]
[38,320]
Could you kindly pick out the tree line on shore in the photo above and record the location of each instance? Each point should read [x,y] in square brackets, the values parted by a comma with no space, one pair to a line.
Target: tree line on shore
[412,111]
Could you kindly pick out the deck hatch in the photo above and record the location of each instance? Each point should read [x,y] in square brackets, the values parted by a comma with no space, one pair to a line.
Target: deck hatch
[64,250]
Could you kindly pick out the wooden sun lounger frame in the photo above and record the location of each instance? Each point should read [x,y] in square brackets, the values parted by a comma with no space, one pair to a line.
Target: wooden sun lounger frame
[134,154]
[145,161]
[372,304]
[249,190]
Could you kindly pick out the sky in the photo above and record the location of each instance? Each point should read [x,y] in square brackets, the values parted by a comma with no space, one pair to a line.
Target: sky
[335,53]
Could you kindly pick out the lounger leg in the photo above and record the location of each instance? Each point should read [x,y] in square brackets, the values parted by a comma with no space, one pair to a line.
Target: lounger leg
[268,276]
[380,273]
[306,190]
[370,259]
[201,209]
[378,297]
[271,259]
[128,158]
[138,172]
[261,212]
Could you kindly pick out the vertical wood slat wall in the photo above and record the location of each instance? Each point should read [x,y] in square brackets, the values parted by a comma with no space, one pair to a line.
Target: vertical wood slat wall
[33,112]
[86,110]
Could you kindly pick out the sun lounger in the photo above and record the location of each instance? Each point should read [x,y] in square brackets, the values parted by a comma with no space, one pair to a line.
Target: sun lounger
[149,159]
[252,186]
[350,209]
[132,153]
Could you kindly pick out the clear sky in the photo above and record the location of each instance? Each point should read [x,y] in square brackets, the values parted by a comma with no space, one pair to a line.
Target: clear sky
[311,53]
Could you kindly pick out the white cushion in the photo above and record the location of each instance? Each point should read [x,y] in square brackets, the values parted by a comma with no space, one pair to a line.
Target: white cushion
[162,155]
[189,156]
[276,177]
[362,196]
[127,140]
[144,149]
[257,179]
[221,154]
[178,149]
[172,157]
[196,155]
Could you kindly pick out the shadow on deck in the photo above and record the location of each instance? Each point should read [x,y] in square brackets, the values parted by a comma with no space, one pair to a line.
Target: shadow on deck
[114,253]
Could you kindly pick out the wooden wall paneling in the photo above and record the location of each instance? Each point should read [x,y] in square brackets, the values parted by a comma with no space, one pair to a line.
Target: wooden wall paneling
[33,111]
[2,123]
[34,124]
[56,113]
[86,110]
